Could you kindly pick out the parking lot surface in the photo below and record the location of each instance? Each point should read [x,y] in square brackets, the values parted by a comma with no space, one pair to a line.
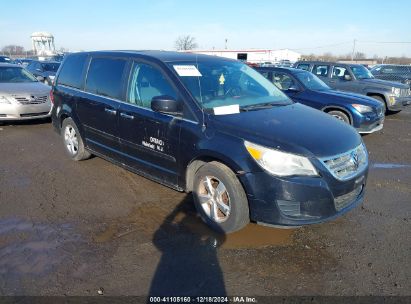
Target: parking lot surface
[73,228]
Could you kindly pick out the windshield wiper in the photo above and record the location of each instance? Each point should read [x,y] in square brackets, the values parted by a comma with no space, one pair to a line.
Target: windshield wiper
[260,106]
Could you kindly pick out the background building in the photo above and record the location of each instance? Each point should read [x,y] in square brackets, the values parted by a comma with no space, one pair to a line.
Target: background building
[254,56]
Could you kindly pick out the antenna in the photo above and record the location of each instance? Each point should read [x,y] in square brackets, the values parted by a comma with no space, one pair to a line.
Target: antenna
[201,97]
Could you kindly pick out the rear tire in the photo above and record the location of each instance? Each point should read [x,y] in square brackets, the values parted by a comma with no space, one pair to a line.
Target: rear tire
[340,116]
[220,198]
[73,143]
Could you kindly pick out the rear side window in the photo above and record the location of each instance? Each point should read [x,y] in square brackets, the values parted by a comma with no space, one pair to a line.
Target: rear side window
[320,70]
[303,66]
[104,77]
[72,71]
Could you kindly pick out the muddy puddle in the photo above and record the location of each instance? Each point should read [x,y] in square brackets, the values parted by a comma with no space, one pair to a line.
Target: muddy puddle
[29,248]
[154,222]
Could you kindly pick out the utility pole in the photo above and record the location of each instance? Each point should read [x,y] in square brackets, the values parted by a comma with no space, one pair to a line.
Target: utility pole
[353,50]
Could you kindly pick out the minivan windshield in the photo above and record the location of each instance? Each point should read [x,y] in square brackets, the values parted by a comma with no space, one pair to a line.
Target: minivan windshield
[218,82]
[311,82]
[15,74]
[361,72]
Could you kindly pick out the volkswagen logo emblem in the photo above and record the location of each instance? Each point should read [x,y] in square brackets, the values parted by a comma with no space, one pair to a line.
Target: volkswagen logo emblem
[354,160]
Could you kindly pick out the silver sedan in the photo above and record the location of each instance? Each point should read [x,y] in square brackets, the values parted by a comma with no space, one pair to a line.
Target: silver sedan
[22,96]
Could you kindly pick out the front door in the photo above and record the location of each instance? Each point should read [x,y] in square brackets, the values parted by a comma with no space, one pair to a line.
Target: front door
[341,79]
[149,140]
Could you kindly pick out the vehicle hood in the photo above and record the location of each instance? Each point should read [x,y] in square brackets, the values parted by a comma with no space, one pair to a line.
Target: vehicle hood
[385,83]
[293,128]
[24,88]
[349,98]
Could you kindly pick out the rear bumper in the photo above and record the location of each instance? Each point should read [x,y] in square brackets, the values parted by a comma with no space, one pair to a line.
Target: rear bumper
[24,112]
[297,201]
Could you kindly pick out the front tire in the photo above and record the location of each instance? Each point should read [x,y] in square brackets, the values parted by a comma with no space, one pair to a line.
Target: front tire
[220,198]
[340,116]
[73,143]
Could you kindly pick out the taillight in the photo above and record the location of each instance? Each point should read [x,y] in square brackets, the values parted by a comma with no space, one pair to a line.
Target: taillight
[51,97]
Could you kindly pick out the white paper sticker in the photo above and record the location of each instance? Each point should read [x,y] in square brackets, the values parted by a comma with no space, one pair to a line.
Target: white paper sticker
[224,110]
[186,70]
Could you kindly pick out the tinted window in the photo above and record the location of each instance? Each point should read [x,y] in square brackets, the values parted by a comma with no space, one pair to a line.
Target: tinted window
[303,66]
[147,82]
[311,81]
[283,81]
[320,70]
[104,77]
[72,71]
[339,73]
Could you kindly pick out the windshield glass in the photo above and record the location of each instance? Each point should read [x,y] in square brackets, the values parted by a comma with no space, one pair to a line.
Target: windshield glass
[216,83]
[312,82]
[50,67]
[15,74]
[361,72]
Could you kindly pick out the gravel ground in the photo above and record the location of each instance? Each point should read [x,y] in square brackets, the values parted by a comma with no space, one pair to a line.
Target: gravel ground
[72,228]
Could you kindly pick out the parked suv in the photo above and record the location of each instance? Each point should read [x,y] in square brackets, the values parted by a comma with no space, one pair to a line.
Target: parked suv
[392,72]
[45,71]
[214,127]
[363,113]
[358,79]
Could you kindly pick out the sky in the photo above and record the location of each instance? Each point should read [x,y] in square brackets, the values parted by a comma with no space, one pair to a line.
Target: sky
[306,26]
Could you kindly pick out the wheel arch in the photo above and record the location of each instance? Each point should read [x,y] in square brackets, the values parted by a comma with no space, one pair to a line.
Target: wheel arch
[199,161]
[339,108]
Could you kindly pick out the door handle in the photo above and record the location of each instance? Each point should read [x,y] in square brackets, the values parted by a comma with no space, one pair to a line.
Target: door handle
[126,116]
[110,111]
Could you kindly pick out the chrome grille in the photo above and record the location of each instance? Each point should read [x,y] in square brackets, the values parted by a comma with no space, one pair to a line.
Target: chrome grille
[347,165]
[31,100]
[405,92]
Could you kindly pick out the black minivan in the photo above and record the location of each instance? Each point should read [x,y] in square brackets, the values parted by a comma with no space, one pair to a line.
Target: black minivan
[214,127]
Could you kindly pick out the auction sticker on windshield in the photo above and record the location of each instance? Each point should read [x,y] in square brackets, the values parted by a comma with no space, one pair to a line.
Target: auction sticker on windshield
[224,110]
[186,70]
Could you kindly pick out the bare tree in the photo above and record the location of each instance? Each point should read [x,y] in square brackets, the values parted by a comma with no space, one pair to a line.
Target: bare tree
[185,42]
[359,55]
[13,49]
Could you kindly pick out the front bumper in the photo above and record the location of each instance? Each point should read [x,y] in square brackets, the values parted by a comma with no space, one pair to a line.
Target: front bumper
[24,112]
[296,201]
[367,128]
[398,103]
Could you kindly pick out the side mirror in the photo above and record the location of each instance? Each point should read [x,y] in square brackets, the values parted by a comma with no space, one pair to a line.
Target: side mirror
[40,78]
[347,77]
[165,104]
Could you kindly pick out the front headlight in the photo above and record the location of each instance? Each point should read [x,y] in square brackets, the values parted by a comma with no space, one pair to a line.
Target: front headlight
[361,108]
[4,100]
[280,163]
[396,92]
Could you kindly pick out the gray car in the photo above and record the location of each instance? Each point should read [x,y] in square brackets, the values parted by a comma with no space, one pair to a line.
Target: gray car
[356,78]
[22,96]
